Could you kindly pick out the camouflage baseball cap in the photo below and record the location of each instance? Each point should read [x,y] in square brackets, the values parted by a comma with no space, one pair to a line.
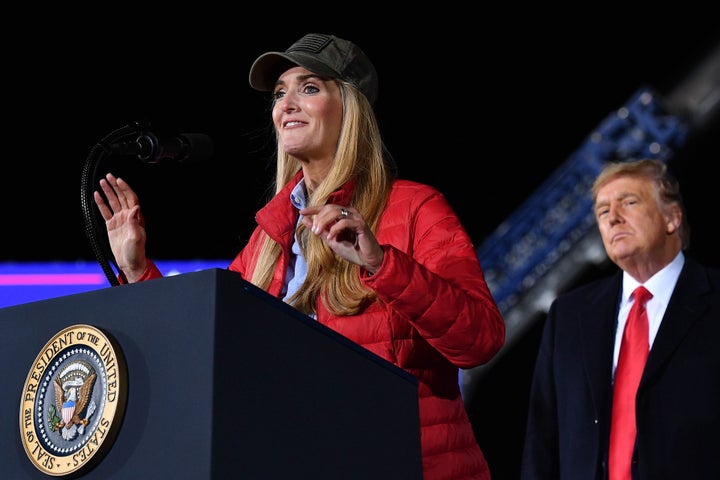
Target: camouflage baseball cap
[325,55]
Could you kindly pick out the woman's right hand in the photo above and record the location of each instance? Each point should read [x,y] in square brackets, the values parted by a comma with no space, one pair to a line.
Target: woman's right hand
[125,225]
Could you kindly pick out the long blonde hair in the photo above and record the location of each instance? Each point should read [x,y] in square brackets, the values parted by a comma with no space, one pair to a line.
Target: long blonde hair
[360,156]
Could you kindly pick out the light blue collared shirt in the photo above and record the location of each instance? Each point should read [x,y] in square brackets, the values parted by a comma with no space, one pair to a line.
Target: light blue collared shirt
[297,268]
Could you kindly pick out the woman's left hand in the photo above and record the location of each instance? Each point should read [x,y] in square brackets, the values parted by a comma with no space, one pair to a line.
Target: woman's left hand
[344,230]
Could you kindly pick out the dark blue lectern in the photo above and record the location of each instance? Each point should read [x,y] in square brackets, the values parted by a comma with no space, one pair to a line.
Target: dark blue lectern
[223,382]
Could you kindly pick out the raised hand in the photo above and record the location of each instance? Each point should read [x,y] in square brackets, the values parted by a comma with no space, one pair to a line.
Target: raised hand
[125,225]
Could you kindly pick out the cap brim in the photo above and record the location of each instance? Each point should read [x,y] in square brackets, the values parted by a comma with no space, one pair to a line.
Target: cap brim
[268,67]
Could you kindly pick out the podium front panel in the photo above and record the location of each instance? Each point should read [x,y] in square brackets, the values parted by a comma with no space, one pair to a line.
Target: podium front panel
[224,381]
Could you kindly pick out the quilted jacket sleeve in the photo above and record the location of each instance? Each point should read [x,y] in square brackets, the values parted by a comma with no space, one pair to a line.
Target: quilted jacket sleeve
[431,276]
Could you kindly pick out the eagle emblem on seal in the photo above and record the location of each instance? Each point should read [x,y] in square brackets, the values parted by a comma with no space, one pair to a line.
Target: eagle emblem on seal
[73,392]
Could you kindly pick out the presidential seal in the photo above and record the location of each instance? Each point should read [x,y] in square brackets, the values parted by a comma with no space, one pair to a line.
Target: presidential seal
[73,401]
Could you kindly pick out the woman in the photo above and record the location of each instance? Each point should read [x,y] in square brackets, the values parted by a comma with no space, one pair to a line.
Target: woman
[383,261]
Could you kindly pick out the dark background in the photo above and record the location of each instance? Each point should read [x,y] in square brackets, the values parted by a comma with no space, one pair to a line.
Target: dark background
[484,117]
[484,106]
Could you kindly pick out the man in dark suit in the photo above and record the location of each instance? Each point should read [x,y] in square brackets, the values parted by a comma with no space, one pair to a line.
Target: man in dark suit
[642,222]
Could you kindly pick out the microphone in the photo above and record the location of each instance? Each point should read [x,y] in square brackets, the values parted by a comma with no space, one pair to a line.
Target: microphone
[184,148]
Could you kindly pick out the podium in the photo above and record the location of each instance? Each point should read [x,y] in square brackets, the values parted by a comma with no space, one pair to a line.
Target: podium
[223,382]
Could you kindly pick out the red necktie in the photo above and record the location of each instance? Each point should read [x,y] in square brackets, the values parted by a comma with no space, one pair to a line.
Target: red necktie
[631,362]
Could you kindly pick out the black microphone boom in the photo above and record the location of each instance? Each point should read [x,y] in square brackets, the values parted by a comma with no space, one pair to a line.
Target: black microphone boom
[185,148]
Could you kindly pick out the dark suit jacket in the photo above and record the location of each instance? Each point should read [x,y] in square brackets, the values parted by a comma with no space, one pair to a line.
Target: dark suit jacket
[678,400]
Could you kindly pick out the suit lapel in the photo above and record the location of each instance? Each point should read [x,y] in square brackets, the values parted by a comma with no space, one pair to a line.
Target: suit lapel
[685,307]
[597,326]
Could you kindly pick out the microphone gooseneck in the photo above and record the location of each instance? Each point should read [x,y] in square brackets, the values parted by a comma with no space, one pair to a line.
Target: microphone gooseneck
[184,148]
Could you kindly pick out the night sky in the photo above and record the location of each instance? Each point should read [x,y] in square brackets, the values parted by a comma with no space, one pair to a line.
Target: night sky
[485,117]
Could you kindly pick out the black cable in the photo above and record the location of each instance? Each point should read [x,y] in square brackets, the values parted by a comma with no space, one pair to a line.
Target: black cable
[88,185]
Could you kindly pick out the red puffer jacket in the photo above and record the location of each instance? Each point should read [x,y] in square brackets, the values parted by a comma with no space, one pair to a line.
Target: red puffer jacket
[436,314]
